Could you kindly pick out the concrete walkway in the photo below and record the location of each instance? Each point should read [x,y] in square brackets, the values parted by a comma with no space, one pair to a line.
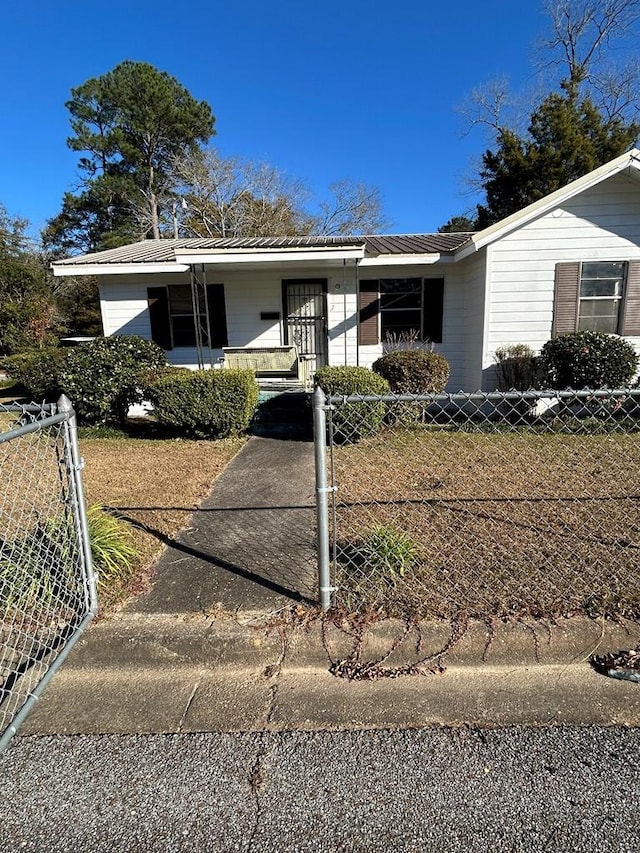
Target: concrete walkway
[224,641]
[251,544]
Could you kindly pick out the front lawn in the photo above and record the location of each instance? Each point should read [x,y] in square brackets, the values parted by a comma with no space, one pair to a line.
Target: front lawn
[489,524]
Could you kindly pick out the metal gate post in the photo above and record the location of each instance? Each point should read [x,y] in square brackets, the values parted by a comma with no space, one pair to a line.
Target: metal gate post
[75,464]
[322,511]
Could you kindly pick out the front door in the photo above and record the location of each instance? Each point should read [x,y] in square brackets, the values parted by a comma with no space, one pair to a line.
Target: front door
[306,319]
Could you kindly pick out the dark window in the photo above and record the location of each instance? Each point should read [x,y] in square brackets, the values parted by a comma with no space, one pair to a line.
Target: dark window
[172,320]
[601,291]
[183,328]
[400,308]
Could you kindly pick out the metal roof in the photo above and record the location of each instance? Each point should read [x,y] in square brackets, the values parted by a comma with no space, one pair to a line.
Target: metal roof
[164,251]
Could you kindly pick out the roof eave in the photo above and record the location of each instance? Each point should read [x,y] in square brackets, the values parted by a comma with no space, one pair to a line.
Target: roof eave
[227,256]
[402,260]
[62,269]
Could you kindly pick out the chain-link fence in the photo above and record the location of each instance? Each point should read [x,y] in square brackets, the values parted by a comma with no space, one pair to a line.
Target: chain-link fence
[47,588]
[488,505]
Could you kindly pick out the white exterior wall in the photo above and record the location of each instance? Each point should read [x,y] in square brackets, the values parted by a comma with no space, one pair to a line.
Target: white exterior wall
[123,303]
[471,307]
[462,316]
[248,293]
[600,224]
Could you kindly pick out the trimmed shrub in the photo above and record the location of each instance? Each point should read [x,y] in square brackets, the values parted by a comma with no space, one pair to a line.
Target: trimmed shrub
[354,420]
[38,371]
[518,368]
[588,360]
[413,371]
[102,377]
[205,403]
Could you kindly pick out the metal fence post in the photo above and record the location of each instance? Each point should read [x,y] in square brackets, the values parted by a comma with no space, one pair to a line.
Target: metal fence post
[322,511]
[76,463]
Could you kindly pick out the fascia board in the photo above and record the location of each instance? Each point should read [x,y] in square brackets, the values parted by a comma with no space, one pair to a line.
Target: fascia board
[218,257]
[117,269]
[400,260]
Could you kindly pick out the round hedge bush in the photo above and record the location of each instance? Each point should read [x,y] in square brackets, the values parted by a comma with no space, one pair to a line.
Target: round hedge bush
[413,371]
[354,420]
[101,377]
[588,360]
[203,403]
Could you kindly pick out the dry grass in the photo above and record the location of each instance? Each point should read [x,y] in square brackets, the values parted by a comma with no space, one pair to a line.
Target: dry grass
[156,484]
[505,524]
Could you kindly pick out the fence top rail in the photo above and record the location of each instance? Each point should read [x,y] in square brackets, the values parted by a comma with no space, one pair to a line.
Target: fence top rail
[487,397]
[29,408]
[33,426]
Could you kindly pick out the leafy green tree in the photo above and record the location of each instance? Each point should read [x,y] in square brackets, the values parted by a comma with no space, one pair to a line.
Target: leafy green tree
[130,125]
[458,224]
[28,317]
[589,119]
[78,305]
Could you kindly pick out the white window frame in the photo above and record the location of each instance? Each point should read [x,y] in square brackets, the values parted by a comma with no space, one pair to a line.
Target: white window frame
[618,297]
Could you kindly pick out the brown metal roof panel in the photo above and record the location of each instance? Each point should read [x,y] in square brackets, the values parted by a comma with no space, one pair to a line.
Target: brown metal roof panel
[161,251]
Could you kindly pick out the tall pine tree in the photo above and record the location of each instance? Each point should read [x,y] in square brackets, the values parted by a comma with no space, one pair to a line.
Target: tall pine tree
[129,125]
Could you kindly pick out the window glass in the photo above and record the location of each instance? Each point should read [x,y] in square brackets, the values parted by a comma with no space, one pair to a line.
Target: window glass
[400,307]
[180,299]
[601,288]
[603,269]
[181,314]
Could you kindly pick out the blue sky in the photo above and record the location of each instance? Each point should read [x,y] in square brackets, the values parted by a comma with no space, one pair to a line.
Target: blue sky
[322,90]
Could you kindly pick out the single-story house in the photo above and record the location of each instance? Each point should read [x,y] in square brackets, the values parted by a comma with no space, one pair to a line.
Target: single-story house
[569,261]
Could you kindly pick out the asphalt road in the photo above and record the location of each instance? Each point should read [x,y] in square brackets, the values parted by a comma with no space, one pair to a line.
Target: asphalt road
[551,789]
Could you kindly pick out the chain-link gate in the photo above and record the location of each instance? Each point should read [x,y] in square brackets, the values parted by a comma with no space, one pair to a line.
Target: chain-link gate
[485,505]
[47,586]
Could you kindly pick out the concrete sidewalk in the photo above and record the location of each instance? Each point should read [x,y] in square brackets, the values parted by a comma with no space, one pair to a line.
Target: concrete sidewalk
[224,640]
[152,674]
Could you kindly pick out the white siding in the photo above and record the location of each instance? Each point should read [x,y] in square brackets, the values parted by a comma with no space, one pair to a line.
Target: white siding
[250,292]
[602,223]
[472,309]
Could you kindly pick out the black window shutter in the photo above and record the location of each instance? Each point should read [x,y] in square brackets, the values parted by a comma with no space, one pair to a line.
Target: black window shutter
[432,309]
[217,315]
[158,302]
[630,325]
[368,311]
[566,302]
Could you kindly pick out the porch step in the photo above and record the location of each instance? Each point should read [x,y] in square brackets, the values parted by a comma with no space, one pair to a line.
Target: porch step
[283,415]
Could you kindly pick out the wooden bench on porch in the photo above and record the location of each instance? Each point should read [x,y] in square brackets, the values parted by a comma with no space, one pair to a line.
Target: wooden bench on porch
[270,362]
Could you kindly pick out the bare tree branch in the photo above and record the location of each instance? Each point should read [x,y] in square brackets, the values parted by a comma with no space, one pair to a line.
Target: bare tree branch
[355,208]
[582,29]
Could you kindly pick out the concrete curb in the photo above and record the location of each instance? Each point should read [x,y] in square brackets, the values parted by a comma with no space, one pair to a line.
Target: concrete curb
[142,674]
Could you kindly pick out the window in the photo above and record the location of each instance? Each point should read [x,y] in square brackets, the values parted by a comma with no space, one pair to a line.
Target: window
[390,307]
[183,332]
[171,316]
[601,296]
[400,307]
[601,291]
